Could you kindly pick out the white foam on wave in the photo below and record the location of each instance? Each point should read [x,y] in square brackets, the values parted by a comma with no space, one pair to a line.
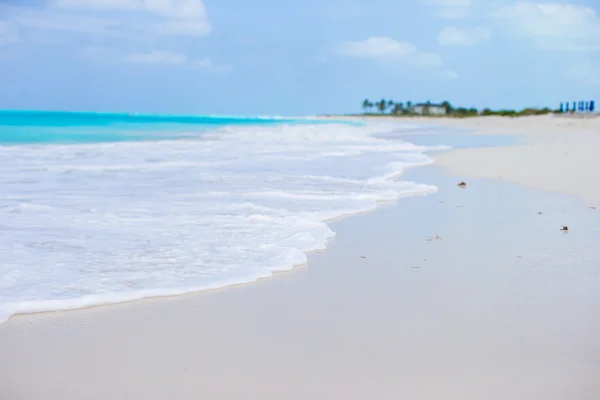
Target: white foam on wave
[84,225]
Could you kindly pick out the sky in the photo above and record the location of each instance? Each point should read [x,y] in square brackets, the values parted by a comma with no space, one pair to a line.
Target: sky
[283,57]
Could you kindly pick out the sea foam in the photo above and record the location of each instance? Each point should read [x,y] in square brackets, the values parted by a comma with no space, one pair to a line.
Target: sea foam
[91,224]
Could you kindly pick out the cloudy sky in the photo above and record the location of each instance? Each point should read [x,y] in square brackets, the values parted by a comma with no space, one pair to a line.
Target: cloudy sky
[294,57]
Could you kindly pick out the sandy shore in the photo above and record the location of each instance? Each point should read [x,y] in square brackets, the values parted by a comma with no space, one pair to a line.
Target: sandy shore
[465,294]
[557,154]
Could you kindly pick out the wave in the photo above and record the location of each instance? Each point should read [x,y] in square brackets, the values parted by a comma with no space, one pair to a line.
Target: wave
[92,224]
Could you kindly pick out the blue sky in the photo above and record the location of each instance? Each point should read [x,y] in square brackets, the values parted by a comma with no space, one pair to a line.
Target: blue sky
[294,57]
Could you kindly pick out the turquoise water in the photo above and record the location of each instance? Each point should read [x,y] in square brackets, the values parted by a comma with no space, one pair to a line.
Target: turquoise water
[229,201]
[44,127]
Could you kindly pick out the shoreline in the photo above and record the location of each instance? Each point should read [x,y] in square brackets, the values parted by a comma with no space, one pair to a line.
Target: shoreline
[472,310]
[557,154]
[458,292]
[547,139]
[192,292]
[125,298]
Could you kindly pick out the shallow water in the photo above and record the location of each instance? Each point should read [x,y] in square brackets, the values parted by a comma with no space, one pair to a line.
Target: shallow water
[131,216]
[432,135]
[42,127]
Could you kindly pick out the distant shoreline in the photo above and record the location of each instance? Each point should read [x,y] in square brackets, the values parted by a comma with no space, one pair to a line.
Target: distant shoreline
[457,117]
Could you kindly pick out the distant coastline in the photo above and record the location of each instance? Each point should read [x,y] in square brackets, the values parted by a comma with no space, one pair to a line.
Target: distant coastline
[445,109]
[569,115]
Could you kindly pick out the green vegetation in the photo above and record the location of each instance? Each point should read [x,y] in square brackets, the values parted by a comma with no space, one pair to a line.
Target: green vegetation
[389,107]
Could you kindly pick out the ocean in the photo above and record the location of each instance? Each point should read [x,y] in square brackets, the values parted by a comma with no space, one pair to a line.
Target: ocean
[104,208]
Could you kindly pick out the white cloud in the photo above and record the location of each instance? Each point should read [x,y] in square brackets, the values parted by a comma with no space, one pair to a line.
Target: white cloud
[123,19]
[377,47]
[553,26]
[389,53]
[72,23]
[387,49]
[451,9]
[8,33]
[173,59]
[585,71]
[452,36]
[143,21]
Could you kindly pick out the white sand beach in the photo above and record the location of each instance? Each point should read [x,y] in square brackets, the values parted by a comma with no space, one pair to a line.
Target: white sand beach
[557,154]
[466,294]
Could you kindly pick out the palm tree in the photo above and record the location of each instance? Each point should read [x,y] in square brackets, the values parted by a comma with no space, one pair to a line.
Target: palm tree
[366,105]
[408,106]
[398,108]
[390,104]
[382,105]
[447,106]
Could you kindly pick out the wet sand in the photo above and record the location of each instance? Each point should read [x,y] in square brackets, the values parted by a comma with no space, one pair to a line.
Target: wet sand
[557,153]
[465,294]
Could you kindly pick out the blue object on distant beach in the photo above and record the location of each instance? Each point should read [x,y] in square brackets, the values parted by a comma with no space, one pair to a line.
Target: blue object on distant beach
[592,106]
[567,107]
[574,106]
[562,108]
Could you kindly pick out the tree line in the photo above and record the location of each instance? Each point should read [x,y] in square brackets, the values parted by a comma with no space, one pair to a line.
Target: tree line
[400,108]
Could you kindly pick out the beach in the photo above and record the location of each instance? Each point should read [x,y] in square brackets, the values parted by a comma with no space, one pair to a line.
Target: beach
[556,154]
[463,293]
